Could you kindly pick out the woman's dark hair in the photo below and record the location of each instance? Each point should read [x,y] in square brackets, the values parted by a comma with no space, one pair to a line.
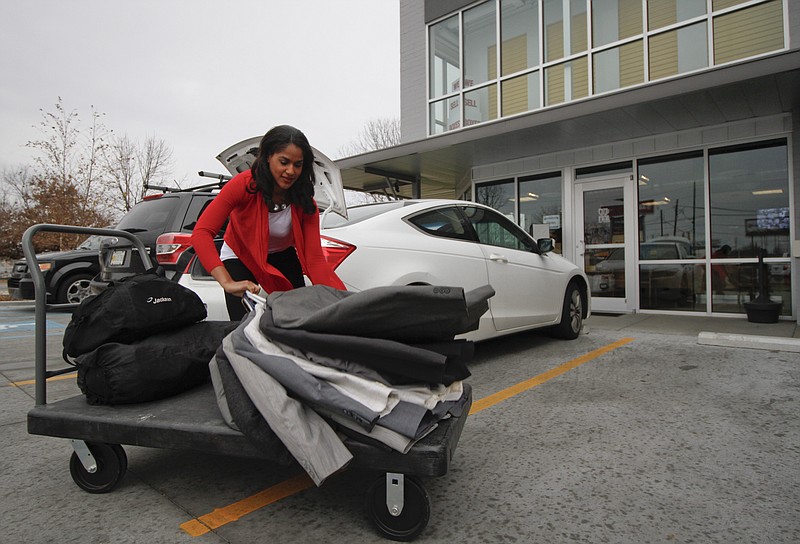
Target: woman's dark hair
[274,141]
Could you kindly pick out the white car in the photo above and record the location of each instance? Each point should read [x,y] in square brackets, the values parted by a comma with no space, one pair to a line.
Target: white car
[441,242]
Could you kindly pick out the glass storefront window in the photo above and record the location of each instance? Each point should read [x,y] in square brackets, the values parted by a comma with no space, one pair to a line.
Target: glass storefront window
[519,26]
[540,203]
[661,13]
[521,94]
[671,229]
[672,203]
[749,214]
[444,65]
[619,67]
[750,200]
[678,51]
[750,31]
[480,42]
[614,20]
[498,195]
[564,28]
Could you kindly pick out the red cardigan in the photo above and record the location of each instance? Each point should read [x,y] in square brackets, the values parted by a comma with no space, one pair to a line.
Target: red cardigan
[247,235]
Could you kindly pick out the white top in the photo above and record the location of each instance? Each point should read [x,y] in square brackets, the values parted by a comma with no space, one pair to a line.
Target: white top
[280,234]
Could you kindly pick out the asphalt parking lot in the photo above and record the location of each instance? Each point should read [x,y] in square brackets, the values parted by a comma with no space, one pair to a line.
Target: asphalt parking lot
[623,435]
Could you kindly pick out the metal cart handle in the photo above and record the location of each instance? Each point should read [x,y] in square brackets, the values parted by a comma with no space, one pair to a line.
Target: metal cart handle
[40,331]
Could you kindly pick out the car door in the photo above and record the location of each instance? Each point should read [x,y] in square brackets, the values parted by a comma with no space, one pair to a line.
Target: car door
[529,286]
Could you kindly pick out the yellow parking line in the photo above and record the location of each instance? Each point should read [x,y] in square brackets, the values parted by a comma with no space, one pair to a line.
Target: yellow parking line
[54,378]
[491,400]
[232,512]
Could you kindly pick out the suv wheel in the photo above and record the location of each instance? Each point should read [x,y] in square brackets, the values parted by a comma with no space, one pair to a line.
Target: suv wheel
[74,289]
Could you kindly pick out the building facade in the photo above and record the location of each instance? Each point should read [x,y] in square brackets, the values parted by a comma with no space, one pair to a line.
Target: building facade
[652,139]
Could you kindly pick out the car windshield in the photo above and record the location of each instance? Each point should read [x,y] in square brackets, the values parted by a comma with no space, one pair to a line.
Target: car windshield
[360,213]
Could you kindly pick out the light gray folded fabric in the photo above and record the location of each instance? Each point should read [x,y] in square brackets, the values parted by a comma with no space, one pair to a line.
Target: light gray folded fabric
[219,392]
[314,444]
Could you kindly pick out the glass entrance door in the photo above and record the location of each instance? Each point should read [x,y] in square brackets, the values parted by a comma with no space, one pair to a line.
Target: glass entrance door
[604,230]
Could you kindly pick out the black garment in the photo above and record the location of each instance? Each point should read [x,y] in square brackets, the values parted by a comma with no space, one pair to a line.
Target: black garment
[402,331]
[285,261]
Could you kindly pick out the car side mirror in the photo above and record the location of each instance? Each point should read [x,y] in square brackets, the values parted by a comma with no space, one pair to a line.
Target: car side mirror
[545,245]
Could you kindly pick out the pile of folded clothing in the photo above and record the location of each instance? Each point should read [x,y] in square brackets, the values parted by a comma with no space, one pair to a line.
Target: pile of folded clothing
[309,366]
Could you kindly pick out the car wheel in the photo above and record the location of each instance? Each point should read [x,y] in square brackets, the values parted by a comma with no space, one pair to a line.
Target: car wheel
[74,289]
[571,314]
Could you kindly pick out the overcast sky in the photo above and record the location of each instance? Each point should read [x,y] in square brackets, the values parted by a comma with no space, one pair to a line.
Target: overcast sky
[199,74]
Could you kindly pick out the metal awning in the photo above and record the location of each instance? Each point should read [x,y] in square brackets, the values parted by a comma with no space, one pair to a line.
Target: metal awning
[440,166]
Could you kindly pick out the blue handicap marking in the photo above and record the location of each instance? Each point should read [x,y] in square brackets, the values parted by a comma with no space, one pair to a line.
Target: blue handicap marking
[24,329]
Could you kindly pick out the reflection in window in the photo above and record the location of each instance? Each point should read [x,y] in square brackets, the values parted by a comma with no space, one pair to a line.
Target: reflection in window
[676,286]
[480,39]
[443,64]
[671,205]
[497,195]
[747,32]
[734,284]
[614,20]
[521,94]
[564,28]
[678,51]
[662,13]
[480,105]
[444,222]
[619,67]
[445,115]
[567,81]
[540,203]
[750,200]
[520,35]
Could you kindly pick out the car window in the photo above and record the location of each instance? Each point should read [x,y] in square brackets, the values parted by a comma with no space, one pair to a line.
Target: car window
[444,222]
[151,214]
[197,206]
[652,252]
[495,229]
[92,242]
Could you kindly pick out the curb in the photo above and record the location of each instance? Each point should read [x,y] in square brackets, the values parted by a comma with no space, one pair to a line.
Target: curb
[749,341]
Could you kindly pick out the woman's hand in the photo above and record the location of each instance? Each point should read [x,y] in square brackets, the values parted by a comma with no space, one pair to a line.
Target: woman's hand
[239,288]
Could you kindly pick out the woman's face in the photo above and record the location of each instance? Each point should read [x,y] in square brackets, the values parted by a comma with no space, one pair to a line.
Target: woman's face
[286,166]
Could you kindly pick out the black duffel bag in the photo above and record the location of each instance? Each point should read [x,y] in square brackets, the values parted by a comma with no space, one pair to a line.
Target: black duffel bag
[153,368]
[131,309]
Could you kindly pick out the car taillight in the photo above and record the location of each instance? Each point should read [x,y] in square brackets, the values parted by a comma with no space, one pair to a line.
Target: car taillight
[170,245]
[335,251]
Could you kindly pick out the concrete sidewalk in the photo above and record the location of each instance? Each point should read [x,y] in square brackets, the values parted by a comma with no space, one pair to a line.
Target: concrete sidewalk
[720,331]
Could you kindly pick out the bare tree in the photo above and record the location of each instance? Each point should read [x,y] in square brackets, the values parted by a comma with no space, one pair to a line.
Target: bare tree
[133,166]
[376,134]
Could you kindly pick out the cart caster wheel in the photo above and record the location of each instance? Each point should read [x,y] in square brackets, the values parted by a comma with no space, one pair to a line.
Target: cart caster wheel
[411,521]
[112,463]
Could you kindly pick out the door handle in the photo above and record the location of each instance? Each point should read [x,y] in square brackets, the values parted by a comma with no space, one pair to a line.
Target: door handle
[498,258]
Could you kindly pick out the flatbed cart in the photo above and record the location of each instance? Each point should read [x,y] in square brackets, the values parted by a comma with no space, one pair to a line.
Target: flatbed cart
[397,502]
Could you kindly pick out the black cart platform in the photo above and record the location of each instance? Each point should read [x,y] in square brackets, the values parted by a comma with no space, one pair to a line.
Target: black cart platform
[397,503]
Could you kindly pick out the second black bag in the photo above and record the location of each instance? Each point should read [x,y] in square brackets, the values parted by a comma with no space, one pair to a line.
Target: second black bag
[129,310]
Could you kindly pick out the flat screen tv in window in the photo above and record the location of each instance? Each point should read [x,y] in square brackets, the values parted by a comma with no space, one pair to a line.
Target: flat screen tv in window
[769,221]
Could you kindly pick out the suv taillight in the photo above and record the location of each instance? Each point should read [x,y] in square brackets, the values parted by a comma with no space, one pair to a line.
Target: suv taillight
[170,245]
[335,251]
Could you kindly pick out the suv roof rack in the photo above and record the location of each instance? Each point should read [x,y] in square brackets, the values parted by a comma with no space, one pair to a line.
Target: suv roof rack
[222,179]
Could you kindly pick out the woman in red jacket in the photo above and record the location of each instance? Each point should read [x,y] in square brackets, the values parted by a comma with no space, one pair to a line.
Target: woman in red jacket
[272,236]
